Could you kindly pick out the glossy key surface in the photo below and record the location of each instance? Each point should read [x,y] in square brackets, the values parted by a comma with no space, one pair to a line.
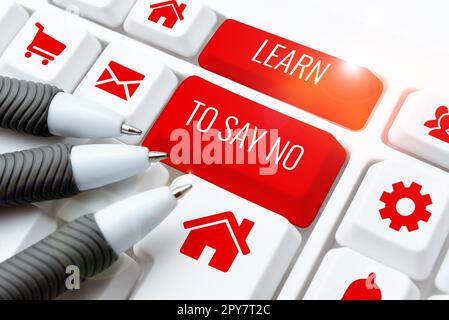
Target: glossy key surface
[266,157]
[304,77]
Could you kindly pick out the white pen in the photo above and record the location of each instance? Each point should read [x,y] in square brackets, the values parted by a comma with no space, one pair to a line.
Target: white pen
[44,110]
[61,170]
[92,244]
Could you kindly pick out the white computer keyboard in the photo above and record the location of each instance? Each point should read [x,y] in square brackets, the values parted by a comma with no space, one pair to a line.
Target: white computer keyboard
[380,233]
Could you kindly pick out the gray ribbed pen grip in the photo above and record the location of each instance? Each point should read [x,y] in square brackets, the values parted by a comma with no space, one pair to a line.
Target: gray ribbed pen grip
[36,175]
[24,105]
[39,272]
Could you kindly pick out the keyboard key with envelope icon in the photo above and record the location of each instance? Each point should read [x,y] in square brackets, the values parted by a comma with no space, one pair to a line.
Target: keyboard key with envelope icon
[129,81]
[275,161]
[215,245]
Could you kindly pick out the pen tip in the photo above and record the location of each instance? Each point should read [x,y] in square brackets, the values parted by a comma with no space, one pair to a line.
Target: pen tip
[156,156]
[130,130]
[181,191]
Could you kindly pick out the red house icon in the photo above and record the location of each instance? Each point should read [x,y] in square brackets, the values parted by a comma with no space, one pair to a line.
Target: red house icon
[171,11]
[220,232]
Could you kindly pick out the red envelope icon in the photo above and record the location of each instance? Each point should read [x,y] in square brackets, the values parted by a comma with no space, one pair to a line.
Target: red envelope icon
[120,81]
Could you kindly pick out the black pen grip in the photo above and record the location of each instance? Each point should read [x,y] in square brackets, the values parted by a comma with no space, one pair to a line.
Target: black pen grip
[24,105]
[40,272]
[36,175]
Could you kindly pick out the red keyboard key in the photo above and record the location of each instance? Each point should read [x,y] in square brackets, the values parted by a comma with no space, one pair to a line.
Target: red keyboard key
[309,79]
[266,157]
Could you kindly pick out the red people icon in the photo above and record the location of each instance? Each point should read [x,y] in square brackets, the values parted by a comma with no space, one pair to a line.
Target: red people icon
[440,125]
[45,46]
[170,11]
[363,289]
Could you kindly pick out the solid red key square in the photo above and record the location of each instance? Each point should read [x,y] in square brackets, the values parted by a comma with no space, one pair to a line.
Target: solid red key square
[266,157]
[306,78]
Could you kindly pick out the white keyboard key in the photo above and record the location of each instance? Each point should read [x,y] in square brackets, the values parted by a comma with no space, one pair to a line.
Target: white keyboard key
[399,216]
[347,275]
[181,26]
[215,245]
[22,227]
[422,127]
[130,82]
[66,210]
[12,18]
[116,283]
[52,48]
[439,297]
[111,13]
[442,278]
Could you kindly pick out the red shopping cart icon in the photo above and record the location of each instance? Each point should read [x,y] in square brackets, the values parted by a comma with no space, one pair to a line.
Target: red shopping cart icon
[45,46]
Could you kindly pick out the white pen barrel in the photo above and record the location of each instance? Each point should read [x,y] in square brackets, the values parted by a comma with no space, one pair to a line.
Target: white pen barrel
[60,171]
[95,166]
[92,243]
[77,117]
[129,221]
[41,274]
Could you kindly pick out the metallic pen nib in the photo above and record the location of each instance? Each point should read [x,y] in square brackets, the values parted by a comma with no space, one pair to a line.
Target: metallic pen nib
[181,191]
[156,156]
[130,130]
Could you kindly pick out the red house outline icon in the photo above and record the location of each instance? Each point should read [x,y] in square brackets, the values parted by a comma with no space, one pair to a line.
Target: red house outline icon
[170,10]
[220,232]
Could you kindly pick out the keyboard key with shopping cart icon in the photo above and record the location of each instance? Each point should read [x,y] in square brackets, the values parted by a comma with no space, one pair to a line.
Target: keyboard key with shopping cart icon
[52,48]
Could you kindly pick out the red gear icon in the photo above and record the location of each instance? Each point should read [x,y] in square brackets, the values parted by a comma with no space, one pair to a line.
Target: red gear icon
[401,192]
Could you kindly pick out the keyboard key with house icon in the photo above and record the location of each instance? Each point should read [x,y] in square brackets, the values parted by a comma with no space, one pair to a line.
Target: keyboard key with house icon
[219,239]
[178,26]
